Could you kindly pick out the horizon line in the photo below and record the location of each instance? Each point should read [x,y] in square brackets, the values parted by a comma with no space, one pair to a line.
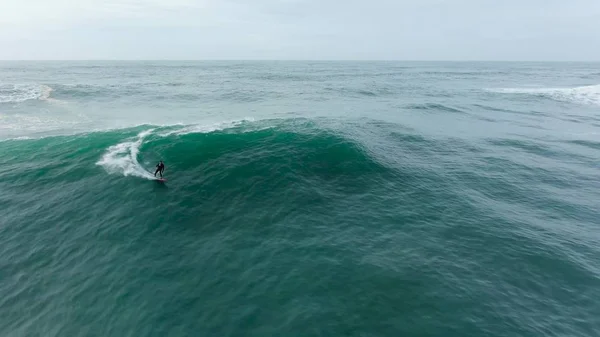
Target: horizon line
[293,60]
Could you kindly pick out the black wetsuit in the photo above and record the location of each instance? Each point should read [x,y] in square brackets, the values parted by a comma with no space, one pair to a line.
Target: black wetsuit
[159,169]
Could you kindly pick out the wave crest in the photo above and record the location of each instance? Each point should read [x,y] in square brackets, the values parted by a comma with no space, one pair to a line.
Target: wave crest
[433,107]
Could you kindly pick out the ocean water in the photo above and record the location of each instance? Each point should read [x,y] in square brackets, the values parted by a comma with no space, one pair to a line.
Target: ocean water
[303,199]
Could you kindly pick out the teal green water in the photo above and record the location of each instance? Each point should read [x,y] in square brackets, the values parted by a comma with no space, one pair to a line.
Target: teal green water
[303,199]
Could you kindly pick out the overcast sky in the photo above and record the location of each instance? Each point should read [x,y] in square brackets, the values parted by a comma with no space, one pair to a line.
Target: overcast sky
[301,29]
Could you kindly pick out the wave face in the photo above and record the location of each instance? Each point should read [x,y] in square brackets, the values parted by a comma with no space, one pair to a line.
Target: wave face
[302,199]
[309,155]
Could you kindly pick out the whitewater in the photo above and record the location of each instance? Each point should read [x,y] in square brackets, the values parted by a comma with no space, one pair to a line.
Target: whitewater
[303,199]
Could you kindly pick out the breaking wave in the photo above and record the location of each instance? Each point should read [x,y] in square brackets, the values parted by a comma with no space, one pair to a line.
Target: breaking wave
[16,93]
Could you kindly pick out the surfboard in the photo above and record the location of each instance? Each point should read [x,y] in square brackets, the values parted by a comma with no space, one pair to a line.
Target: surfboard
[161,179]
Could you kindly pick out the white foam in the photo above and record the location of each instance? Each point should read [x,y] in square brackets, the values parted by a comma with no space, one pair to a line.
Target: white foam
[206,128]
[16,93]
[122,158]
[16,138]
[581,95]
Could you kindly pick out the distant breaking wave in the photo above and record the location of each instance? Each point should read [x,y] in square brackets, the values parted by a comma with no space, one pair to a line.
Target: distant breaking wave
[16,93]
[580,95]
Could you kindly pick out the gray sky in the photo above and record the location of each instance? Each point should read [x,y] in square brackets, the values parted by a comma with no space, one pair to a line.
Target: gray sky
[301,29]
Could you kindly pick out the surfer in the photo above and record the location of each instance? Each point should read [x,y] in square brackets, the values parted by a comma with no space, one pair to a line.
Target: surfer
[160,168]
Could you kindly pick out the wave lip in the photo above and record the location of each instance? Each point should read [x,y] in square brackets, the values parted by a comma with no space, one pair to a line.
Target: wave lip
[17,93]
[122,158]
[589,94]
[206,128]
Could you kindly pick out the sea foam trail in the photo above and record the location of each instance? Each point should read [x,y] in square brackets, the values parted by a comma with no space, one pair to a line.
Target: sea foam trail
[581,95]
[122,158]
